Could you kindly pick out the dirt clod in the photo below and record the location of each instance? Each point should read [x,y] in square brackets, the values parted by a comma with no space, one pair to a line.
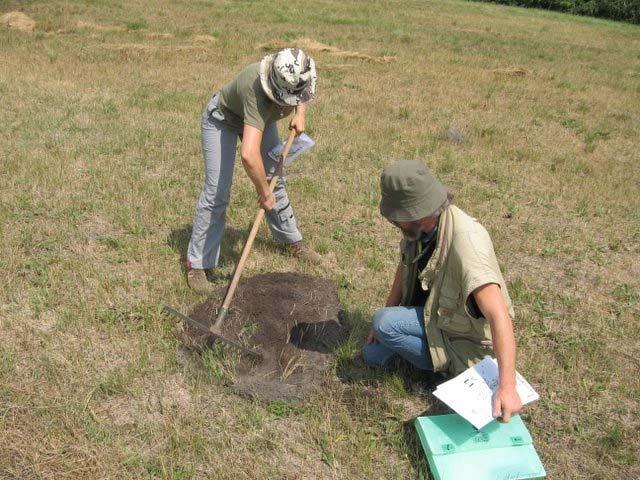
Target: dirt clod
[293,319]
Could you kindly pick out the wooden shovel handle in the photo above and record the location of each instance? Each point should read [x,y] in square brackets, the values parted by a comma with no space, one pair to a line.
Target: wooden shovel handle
[252,236]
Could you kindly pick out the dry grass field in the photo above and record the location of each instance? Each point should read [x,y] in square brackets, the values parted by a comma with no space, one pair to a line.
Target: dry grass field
[531,118]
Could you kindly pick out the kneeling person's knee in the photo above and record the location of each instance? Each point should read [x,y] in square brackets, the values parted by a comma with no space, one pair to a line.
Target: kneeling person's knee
[382,322]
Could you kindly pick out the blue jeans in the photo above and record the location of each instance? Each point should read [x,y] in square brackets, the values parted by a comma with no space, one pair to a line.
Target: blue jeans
[400,331]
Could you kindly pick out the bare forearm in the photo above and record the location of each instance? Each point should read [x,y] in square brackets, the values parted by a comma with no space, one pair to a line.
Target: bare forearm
[252,159]
[301,109]
[395,295]
[298,121]
[255,170]
[494,309]
[504,345]
[506,400]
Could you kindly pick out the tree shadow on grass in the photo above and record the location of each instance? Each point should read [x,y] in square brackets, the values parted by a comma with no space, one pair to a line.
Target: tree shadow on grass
[230,249]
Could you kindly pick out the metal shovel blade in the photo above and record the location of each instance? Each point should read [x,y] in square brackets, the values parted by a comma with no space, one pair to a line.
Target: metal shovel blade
[216,336]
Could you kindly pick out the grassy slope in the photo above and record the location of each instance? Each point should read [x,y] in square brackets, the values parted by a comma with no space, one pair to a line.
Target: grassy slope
[100,163]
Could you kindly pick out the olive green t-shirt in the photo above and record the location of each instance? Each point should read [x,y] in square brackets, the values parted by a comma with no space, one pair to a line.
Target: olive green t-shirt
[243,102]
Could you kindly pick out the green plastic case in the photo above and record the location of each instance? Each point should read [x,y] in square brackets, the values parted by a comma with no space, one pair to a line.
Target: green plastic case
[455,450]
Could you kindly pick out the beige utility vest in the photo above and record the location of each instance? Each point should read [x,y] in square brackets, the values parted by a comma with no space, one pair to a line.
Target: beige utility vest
[462,261]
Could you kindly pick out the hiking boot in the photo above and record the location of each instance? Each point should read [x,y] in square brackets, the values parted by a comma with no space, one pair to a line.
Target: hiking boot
[197,280]
[303,252]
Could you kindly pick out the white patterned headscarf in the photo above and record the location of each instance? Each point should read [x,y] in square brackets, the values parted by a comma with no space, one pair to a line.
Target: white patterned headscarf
[288,77]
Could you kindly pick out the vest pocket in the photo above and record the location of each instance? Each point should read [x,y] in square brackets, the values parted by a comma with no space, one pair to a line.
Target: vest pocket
[449,320]
[470,352]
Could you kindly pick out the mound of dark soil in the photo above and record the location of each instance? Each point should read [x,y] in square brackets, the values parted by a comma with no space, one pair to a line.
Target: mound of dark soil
[293,319]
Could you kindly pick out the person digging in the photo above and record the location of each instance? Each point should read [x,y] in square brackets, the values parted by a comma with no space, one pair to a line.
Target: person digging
[248,108]
[448,307]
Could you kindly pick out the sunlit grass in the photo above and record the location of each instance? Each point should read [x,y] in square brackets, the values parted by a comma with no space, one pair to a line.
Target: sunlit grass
[532,118]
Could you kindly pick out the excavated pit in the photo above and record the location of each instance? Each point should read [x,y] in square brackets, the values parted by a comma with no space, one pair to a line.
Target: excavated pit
[293,319]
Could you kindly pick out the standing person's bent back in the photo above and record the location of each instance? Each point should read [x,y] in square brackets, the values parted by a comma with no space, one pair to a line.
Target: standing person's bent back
[244,102]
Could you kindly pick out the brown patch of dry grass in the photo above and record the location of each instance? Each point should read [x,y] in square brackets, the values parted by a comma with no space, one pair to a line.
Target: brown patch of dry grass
[99,27]
[512,72]
[317,47]
[204,38]
[159,35]
[18,21]
[143,47]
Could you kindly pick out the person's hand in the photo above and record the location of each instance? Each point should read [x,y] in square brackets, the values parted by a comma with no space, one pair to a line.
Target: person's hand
[506,402]
[267,201]
[297,123]
[371,338]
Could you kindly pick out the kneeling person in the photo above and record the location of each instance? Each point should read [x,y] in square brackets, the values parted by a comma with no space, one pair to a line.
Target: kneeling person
[448,306]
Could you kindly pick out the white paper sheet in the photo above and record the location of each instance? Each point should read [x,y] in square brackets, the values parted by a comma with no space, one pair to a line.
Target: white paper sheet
[301,143]
[470,394]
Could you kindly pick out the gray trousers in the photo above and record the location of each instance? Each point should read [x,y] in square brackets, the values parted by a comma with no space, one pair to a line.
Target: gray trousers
[219,151]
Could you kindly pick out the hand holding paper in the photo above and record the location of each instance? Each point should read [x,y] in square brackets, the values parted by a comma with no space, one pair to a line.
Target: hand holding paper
[471,394]
[506,402]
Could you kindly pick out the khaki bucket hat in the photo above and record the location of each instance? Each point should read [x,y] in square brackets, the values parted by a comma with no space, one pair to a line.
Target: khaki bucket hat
[410,192]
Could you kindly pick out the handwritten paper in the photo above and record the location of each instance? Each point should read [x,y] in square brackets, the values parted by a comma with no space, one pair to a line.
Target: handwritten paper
[470,394]
[301,143]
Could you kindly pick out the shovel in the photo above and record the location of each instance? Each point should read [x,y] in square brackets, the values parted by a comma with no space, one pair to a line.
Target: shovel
[215,331]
